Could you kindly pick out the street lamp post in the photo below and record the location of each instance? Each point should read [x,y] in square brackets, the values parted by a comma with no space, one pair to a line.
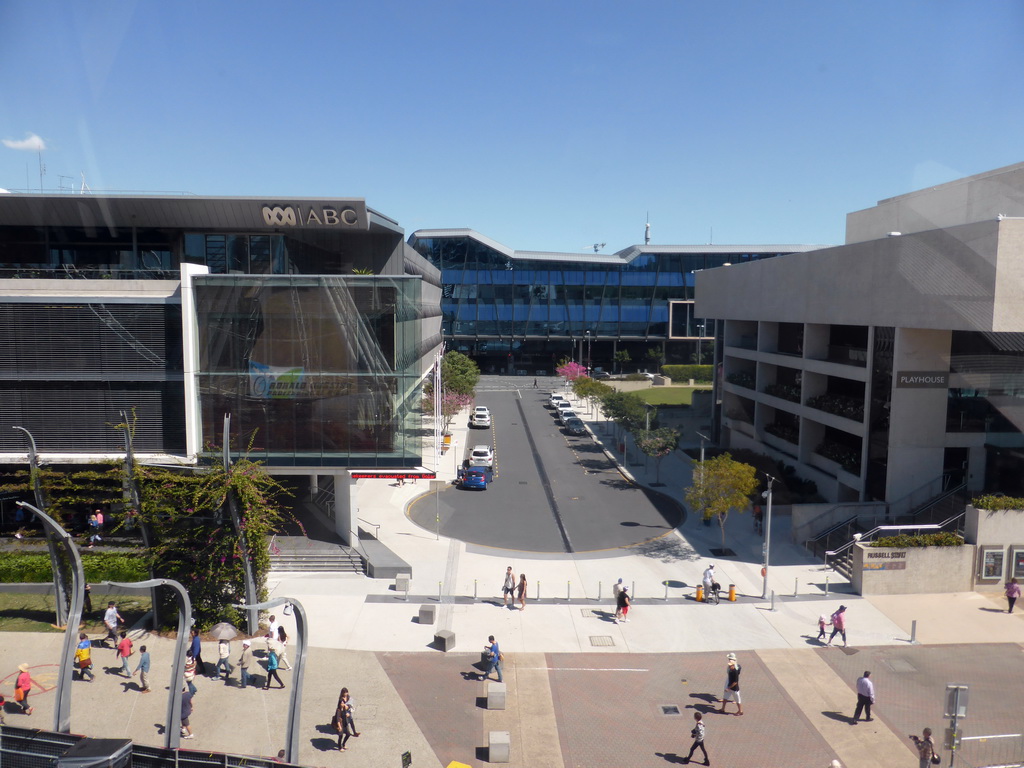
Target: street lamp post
[767,535]
[588,352]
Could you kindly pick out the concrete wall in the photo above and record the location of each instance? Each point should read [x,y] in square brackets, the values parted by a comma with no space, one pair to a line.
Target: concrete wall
[1002,528]
[974,198]
[912,571]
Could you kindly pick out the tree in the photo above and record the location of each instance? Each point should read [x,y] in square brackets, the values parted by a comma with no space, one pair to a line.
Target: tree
[657,443]
[720,485]
[621,356]
[571,370]
[459,374]
[586,388]
[625,409]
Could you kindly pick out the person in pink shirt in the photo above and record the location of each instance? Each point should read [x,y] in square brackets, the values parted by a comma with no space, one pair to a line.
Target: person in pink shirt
[838,625]
[1012,593]
[22,685]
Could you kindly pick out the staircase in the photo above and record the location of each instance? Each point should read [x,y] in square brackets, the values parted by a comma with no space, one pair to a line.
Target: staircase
[299,554]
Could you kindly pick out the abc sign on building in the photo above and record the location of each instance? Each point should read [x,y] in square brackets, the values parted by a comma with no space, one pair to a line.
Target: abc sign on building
[307,216]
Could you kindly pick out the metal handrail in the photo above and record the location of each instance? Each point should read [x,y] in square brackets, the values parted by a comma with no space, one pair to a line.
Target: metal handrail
[878,528]
[376,528]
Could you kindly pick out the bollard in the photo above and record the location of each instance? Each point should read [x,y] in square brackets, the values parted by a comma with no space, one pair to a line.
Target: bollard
[474,589]
[599,591]
[796,586]
[772,609]
[538,589]
[826,585]
[632,590]
[913,632]
[732,593]
[700,593]
[568,586]
[439,591]
[666,590]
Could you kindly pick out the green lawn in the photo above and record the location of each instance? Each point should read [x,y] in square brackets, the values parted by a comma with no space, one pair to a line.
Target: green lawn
[26,612]
[669,395]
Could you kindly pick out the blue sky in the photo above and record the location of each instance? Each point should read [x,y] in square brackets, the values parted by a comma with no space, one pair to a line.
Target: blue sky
[545,125]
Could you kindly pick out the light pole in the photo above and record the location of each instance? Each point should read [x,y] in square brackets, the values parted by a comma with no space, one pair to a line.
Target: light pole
[700,338]
[767,535]
[588,353]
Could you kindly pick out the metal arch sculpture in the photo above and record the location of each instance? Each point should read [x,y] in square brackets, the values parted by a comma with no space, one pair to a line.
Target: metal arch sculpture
[291,744]
[60,582]
[65,669]
[136,501]
[172,734]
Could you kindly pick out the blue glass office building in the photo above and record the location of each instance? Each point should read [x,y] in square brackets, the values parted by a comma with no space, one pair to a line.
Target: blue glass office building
[524,311]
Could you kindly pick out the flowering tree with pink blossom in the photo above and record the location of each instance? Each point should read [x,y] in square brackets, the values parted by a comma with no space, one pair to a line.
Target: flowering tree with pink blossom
[571,370]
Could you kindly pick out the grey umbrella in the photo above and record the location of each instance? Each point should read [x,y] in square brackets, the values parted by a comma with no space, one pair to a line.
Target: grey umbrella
[223,631]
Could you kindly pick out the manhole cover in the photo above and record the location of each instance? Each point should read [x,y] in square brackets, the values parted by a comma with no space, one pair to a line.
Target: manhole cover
[601,641]
[899,665]
[588,613]
[670,709]
[523,482]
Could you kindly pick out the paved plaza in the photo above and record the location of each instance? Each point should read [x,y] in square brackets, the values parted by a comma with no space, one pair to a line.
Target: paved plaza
[583,691]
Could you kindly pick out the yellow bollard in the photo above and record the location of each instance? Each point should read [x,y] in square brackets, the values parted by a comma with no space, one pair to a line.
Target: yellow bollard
[732,593]
[700,593]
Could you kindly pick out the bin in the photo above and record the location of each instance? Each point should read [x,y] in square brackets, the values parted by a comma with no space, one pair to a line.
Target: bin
[447,440]
[700,593]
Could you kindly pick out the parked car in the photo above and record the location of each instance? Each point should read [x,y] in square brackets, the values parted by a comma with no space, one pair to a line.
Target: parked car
[562,405]
[599,375]
[575,426]
[554,399]
[481,456]
[565,414]
[474,478]
[481,417]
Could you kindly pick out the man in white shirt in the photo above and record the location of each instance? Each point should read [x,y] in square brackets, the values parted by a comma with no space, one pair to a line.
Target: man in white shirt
[110,619]
[865,697]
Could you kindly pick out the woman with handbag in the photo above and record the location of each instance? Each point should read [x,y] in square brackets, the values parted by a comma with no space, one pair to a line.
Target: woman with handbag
[344,723]
[925,749]
[22,685]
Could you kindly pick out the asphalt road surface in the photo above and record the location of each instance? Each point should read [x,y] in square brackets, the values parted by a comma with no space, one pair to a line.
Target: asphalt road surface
[551,492]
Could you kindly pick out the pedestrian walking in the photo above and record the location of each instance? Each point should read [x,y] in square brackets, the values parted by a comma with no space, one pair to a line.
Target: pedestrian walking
[223,660]
[186,713]
[111,620]
[142,670]
[710,585]
[822,623]
[124,650]
[83,657]
[494,658]
[282,638]
[197,652]
[87,605]
[925,749]
[272,665]
[1012,593]
[190,671]
[22,685]
[838,621]
[94,530]
[521,591]
[622,605]
[698,739]
[244,662]
[272,627]
[344,719]
[865,697]
[732,684]
[509,587]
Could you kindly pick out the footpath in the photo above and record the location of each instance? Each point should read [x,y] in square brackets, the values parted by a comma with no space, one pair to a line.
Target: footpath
[583,690]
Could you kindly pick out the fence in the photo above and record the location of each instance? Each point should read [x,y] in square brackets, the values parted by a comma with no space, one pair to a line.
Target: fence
[1000,751]
[28,748]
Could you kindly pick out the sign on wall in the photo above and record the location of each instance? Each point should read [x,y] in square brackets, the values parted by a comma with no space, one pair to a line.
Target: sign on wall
[922,379]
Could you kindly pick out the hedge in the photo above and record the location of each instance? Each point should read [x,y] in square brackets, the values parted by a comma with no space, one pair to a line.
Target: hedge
[682,374]
[998,503]
[19,568]
[905,540]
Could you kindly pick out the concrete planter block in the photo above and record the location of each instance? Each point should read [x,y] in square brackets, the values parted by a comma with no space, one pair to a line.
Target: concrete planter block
[427,613]
[498,746]
[402,582]
[496,694]
[445,640]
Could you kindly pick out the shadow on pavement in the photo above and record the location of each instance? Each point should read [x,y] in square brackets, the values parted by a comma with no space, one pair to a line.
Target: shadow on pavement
[672,757]
[667,549]
[839,717]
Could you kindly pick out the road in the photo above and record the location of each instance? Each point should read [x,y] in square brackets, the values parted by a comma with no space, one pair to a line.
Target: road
[551,492]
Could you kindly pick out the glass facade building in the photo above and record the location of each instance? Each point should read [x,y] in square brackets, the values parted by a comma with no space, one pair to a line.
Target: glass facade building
[524,311]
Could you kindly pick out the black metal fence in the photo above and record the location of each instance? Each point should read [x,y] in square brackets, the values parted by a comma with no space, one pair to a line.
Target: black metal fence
[29,748]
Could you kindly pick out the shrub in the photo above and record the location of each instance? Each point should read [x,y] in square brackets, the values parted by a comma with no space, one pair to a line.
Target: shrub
[701,374]
[34,568]
[905,540]
[998,502]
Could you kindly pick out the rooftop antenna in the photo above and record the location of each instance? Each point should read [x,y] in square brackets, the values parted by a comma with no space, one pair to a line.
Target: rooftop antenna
[85,187]
[711,237]
[647,230]
[42,169]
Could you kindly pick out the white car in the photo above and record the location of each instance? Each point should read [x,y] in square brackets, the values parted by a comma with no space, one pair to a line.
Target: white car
[565,414]
[481,456]
[563,405]
[554,399]
[481,417]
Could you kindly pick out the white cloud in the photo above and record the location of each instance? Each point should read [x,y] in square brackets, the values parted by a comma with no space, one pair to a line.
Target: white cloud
[30,143]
